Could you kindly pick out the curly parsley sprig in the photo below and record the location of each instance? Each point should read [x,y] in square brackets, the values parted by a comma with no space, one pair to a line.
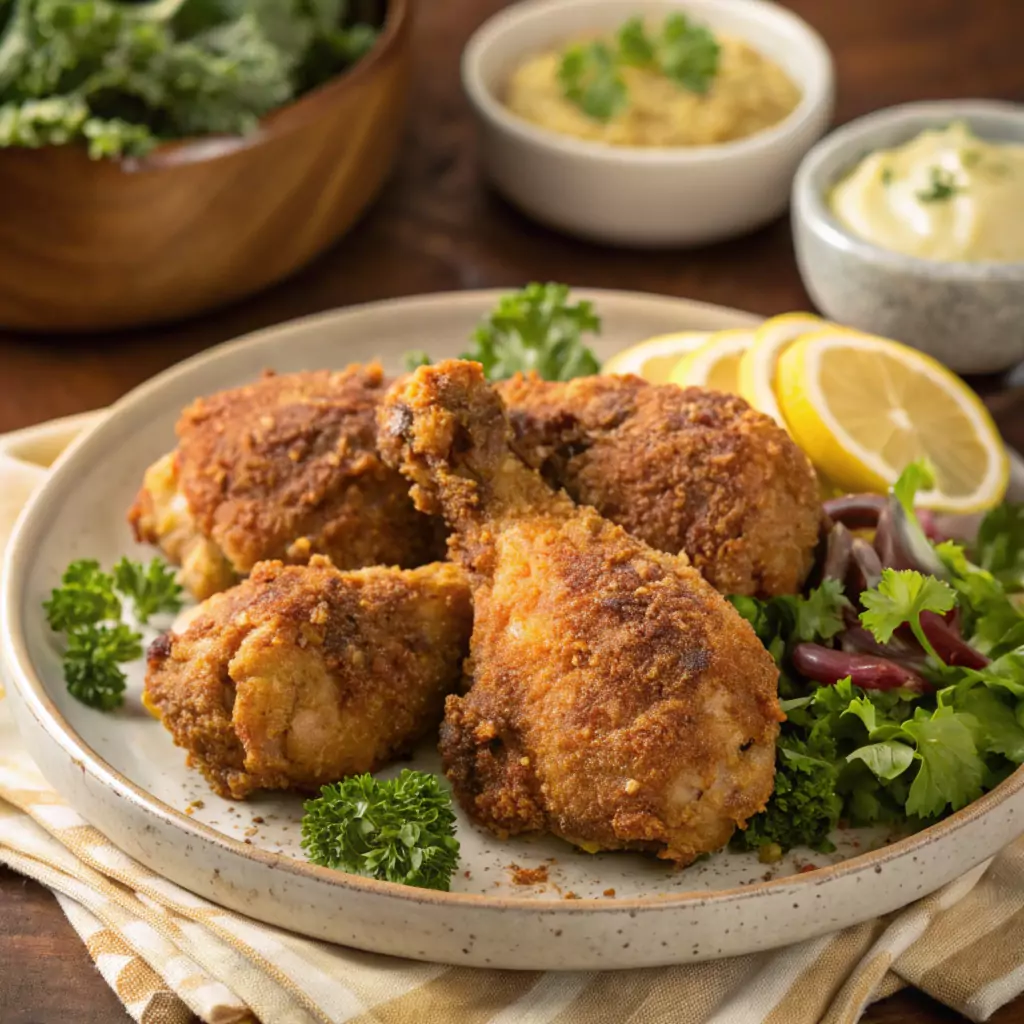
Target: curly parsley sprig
[91,663]
[85,596]
[152,588]
[87,609]
[536,328]
[398,830]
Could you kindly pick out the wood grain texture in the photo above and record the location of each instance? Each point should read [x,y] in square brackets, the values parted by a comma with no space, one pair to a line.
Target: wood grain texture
[96,244]
[435,227]
[46,975]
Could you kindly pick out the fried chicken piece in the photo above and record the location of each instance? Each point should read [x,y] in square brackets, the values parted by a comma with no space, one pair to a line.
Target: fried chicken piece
[617,700]
[686,470]
[301,675]
[284,468]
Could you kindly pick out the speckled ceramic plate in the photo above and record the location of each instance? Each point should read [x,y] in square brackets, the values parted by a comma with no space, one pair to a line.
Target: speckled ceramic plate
[123,774]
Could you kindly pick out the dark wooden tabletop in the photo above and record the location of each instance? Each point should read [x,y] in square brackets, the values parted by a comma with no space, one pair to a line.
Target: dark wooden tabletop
[438,228]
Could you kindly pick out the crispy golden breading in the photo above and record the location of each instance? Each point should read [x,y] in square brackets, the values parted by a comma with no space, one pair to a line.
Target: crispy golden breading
[283,468]
[302,675]
[686,470]
[617,700]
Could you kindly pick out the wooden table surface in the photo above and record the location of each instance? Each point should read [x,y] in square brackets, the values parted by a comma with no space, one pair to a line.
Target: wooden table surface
[438,228]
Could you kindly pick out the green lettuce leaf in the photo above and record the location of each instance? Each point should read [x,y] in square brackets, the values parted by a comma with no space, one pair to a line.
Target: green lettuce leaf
[995,725]
[950,771]
[990,619]
[999,548]
[1005,673]
[886,760]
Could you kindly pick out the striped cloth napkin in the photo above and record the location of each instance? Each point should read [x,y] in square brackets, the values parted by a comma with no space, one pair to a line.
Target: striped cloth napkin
[168,954]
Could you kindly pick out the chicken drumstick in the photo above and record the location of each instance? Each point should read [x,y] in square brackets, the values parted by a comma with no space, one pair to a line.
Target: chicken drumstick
[617,700]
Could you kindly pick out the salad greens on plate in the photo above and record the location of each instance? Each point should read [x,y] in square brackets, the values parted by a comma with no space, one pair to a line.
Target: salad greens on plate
[903,688]
[121,76]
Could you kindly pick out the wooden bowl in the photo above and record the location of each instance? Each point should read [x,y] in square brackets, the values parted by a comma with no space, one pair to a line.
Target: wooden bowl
[92,245]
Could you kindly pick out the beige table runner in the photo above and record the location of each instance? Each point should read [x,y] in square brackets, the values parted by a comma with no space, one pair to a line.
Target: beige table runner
[168,954]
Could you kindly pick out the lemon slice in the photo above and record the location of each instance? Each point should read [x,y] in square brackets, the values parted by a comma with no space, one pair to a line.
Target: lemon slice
[654,358]
[716,364]
[863,407]
[757,366]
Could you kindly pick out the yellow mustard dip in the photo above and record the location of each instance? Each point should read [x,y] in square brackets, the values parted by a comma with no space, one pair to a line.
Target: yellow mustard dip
[748,94]
[944,195]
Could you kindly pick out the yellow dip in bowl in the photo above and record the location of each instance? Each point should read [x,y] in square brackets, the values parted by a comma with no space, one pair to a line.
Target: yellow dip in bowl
[745,93]
[944,195]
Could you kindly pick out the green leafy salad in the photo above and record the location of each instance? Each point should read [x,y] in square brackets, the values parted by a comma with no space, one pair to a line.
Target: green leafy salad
[121,76]
[902,673]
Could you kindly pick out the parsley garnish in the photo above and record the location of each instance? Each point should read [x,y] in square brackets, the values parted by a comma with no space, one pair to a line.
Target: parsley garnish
[534,329]
[950,769]
[900,598]
[684,51]
[85,596]
[942,186]
[91,667]
[537,329]
[999,548]
[87,610]
[636,48]
[152,588]
[590,79]
[398,830]
[688,53]
[795,619]
[804,807]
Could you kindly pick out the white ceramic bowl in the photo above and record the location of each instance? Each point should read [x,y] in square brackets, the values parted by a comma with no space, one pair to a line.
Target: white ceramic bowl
[682,195]
[968,315]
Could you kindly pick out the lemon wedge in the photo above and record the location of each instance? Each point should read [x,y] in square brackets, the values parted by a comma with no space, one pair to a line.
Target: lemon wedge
[863,407]
[758,363]
[716,364]
[654,358]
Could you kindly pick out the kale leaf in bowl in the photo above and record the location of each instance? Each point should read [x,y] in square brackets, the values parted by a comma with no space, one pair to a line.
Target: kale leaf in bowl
[121,77]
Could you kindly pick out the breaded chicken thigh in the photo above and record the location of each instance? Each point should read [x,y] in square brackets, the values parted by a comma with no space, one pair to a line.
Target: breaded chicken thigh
[684,469]
[302,675]
[616,699]
[281,469]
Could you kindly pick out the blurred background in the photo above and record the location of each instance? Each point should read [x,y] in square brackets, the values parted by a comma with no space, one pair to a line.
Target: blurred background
[437,226]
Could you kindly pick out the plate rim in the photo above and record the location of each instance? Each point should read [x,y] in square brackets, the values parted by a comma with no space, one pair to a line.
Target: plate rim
[21,673]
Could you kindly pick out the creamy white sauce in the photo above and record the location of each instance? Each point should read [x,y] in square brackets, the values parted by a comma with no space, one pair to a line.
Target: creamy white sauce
[944,195]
